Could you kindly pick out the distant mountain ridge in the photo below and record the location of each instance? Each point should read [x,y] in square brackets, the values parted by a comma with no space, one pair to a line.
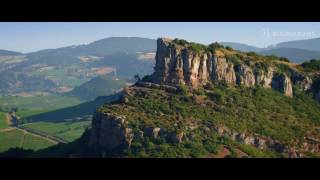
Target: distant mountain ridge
[9,53]
[297,51]
[307,44]
[294,54]
[241,46]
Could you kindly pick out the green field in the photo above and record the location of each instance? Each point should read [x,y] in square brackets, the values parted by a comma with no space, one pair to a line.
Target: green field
[68,131]
[66,76]
[35,143]
[16,138]
[3,123]
[27,113]
[39,102]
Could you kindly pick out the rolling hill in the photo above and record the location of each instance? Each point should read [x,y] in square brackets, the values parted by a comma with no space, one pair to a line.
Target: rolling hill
[297,51]
[98,86]
[9,53]
[307,44]
[294,54]
[61,69]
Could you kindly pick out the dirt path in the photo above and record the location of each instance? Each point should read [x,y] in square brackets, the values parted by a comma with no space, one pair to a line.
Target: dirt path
[12,121]
[43,135]
[7,129]
[8,119]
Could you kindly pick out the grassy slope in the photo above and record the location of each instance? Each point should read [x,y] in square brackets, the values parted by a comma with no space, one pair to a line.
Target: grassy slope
[250,110]
[98,86]
[13,139]
[72,112]
[69,131]
[43,102]
[3,123]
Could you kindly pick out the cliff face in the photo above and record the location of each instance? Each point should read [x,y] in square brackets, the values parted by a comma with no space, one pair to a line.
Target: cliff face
[110,132]
[181,65]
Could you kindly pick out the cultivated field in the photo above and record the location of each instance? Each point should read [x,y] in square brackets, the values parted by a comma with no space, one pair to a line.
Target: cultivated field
[17,138]
[68,131]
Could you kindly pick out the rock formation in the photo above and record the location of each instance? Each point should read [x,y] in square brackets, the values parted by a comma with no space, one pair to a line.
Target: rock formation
[109,131]
[177,64]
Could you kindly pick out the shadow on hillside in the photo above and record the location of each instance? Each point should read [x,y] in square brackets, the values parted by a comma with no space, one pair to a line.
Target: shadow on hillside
[74,112]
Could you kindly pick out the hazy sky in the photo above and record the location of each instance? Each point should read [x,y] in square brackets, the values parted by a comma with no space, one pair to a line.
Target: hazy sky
[33,36]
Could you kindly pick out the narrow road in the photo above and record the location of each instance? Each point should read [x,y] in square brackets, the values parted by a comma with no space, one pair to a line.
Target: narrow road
[12,120]
[44,135]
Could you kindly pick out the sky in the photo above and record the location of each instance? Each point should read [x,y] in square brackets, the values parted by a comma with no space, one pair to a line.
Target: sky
[33,36]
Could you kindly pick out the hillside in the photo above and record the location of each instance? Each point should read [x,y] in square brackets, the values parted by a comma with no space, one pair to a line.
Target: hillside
[207,101]
[98,86]
[62,69]
[9,53]
[260,106]
[308,44]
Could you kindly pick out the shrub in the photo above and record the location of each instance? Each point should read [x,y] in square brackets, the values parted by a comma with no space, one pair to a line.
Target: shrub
[251,53]
[183,89]
[284,68]
[272,57]
[214,46]
[284,59]
[197,47]
[229,48]
[313,64]
[181,42]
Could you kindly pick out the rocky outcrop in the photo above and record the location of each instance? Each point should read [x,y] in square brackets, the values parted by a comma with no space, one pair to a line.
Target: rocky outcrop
[245,76]
[262,142]
[177,64]
[302,81]
[223,71]
[283,84]
[110,132]
[264,78]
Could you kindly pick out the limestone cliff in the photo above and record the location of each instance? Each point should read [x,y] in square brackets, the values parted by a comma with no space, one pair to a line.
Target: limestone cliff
[110,132]
[178,64]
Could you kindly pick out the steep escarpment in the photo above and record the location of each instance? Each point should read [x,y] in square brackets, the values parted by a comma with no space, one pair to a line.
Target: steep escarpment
[202,100]
[197,65]
[110,132]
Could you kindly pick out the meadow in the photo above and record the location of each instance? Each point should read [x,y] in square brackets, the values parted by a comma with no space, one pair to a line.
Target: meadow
[39,102]
[68,131]
[16,138]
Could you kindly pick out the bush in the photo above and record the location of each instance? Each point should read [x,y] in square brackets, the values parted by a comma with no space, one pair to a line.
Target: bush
[197,47]
[272,57]
[213,46]
[313,64]
[181,42]
[284,68]
[183,89]
[251,53]
[229,48]
[284,59]
[261,66]
[235,60]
